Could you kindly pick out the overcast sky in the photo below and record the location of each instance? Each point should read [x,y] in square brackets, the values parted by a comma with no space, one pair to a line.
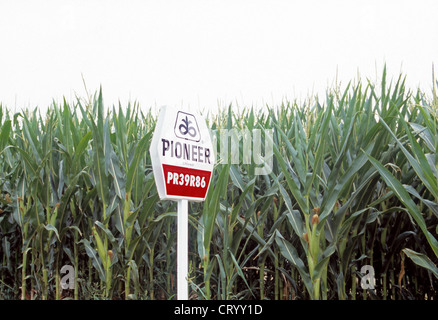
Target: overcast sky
[207,53]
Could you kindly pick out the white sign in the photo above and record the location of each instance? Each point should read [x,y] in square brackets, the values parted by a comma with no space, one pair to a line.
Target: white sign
[182,155]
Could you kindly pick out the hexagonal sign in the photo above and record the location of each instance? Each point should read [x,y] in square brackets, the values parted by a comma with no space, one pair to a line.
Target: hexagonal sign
[182,155]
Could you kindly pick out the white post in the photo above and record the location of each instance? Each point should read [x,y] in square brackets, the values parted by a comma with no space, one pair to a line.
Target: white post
[182,265]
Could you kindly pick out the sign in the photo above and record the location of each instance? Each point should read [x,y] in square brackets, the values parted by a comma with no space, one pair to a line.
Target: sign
[182,155]
[182,160]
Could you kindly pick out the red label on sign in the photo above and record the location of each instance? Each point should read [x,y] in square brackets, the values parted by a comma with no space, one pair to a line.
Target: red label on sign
[186,182]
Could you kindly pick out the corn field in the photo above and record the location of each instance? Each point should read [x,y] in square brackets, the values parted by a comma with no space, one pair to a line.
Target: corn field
[353,183]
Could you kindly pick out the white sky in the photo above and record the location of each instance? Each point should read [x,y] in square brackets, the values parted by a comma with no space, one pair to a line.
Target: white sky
[200,54]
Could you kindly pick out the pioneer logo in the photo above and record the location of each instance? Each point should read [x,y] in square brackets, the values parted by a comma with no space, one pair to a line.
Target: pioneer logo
[186,127]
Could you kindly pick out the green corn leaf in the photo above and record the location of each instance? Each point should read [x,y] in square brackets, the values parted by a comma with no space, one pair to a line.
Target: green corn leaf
[140,150]
[211,206]
[290,253]
[425,134]
[422,260]
[49,227]
[94,258]
[299,197]
[109,236]
[421,166]
[79,150]
[135,274]
[333,193]
[317,165]
[112,163]
[75,228]
[165,215]
[404,197]
[223,277]
[4,134]
[239,271]
[100,248]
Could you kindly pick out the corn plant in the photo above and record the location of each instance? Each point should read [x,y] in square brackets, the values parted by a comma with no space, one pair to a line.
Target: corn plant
[425,167]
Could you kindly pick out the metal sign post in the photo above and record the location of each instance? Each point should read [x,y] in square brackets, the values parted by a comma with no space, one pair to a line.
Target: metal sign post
[182,266]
